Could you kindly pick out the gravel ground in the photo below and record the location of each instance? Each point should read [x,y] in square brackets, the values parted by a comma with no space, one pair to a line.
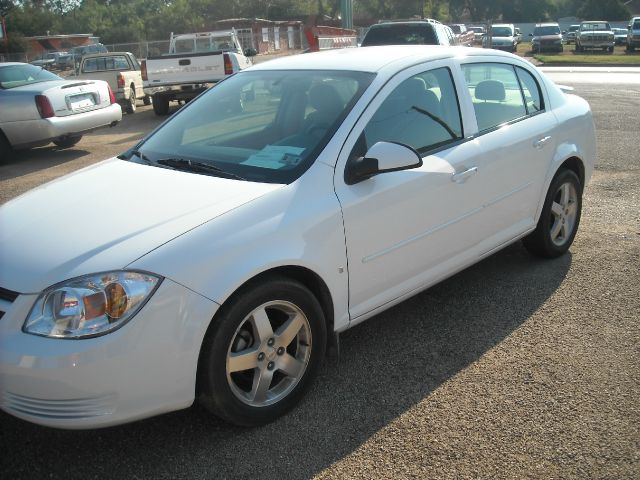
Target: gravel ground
[514,368]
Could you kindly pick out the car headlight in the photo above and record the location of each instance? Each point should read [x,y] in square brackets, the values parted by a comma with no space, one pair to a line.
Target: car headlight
[91,305]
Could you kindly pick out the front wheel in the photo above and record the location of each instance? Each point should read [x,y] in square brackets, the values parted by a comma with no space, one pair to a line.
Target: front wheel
[261,352]
[559,219]
[5,148]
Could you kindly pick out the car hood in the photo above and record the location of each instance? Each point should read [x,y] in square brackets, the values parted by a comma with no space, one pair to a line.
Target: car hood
[106,216]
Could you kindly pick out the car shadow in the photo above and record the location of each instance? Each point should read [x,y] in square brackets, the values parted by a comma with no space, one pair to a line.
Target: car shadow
[387,365]
[24,162]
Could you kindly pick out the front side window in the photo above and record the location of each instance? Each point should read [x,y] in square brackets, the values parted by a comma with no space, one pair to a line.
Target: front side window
[495,92]
[421,112]
[263,126]
[502,32]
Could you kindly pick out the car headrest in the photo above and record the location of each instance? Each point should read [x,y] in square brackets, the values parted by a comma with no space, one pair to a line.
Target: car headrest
[490,90]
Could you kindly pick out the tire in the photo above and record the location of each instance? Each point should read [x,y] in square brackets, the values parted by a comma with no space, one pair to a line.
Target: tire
[130,106]
[147,100]
[160,105]
[280,325]
[610,49]
[6,152]
[67,142]
[559,219]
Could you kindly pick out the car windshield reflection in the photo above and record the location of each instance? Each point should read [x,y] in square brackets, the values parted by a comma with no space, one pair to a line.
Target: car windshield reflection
[264,126]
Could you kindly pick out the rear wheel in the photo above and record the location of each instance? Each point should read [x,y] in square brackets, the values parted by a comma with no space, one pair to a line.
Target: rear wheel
[131,104]
[262,352]
[610,49]
[160,104]
[5,148]
[67,142]
[560,217]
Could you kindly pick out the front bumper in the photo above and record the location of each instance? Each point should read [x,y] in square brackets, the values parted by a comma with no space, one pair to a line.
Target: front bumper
[41,131]
[145,368]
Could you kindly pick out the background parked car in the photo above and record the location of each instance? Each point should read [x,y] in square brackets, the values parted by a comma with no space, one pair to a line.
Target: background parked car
[569,35]
[633,34]
[478,32]
[463,35]
[595,35]
[121,71]
[39,107]
[620,35]
[412,32]
[503,37]
[546,37]
[78,52]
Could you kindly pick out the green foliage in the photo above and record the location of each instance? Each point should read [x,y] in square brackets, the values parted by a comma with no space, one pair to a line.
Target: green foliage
[123,21]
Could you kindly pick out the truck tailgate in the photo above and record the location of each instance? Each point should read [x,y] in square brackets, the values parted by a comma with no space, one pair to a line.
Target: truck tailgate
[191,68]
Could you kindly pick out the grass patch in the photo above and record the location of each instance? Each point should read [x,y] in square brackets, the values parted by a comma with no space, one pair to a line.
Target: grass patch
[606,59]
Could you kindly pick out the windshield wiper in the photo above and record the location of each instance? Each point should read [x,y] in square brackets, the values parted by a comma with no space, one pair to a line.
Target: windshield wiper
[196,167]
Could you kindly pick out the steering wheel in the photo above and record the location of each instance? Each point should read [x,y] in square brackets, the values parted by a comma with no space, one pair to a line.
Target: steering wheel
[317,126]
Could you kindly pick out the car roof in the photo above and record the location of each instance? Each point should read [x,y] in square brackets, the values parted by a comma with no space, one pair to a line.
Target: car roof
[502,25]
[102,54]
[547,24]
[372,59]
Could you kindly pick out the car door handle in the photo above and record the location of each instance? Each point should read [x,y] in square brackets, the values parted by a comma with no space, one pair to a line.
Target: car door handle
[540,143]
[462,176]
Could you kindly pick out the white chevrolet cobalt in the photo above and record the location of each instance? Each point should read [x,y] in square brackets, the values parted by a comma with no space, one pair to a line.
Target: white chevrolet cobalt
[221,256]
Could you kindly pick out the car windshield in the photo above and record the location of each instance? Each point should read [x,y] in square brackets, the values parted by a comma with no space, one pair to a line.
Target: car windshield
[549,30]
[12,76]
[400,34]
[595,26]
[501,32]
[574,28]
[261,126]
[477,29]
[636,25]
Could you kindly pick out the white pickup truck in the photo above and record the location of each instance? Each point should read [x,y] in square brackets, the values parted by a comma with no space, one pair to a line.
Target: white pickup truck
[195,61]
[121,71]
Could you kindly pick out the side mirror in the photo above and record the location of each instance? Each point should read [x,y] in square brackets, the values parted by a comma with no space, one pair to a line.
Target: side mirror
[250,52]
[382,157]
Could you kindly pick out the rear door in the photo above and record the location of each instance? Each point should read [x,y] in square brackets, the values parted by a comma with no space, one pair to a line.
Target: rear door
[516,141]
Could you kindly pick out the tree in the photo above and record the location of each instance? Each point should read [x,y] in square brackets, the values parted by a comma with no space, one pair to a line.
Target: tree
[603,10]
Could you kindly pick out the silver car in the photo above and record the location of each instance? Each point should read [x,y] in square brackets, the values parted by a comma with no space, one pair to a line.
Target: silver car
[39,107]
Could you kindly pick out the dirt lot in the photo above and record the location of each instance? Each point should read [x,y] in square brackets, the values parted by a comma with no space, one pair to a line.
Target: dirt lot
[514,368]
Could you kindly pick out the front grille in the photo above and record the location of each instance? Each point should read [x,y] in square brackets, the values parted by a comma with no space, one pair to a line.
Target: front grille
[8,295]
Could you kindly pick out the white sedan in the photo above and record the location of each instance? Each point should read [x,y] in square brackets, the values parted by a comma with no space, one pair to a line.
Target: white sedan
[221,256]
[38,107]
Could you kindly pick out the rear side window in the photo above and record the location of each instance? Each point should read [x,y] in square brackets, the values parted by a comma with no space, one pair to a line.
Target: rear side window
[496,93]
[400,34]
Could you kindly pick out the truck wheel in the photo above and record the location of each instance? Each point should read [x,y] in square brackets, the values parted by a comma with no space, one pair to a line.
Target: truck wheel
[147,100]
[130,107]
[610,49]
[160,104]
